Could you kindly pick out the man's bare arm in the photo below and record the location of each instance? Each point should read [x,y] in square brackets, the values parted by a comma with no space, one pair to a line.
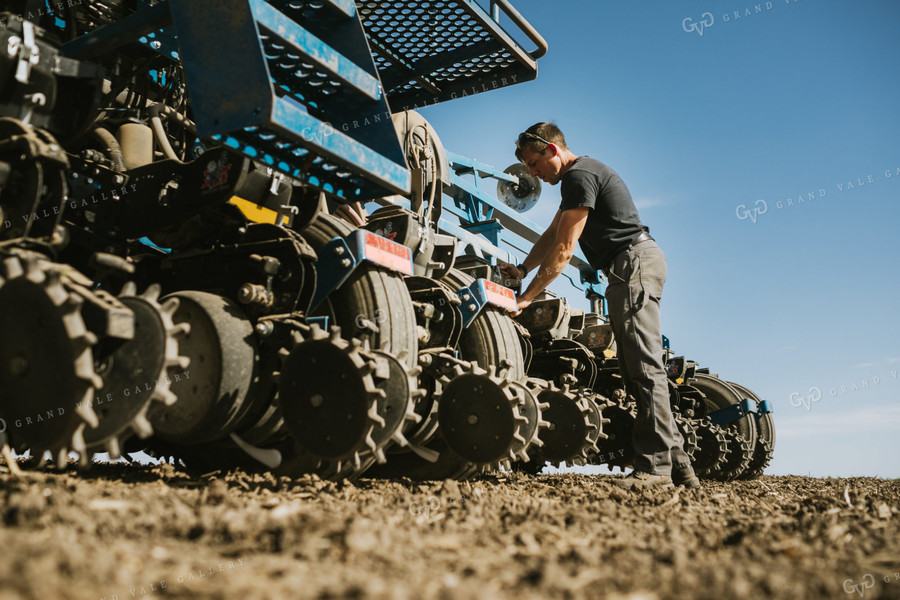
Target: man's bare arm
[538,252]
[570,224]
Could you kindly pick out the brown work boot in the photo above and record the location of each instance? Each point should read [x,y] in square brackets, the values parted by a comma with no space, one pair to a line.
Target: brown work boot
[684,476]
[639,480]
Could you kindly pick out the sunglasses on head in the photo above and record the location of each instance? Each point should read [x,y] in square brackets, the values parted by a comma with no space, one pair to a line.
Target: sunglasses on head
[523,138]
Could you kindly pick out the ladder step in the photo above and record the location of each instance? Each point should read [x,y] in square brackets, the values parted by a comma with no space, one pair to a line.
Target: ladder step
[285,41]
[333,143]
[345,8]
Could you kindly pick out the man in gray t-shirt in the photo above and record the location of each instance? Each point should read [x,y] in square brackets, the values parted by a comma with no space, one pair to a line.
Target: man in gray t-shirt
[597,212]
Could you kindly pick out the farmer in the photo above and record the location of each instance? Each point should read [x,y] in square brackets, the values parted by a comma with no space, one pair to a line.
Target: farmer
[597,212]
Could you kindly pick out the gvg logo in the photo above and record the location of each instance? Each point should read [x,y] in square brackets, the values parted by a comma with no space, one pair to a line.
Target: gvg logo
[760,207]
[434,506]
[814,395]
[706,20]
[867,583]
[364,322]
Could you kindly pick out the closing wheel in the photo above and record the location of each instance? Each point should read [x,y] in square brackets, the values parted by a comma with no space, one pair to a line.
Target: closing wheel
[569,436]
[617,448]
[712,448]
[719,394]
[490,340]
[328,397]
[479,416]
[688,434]
[765,441]
[740,453]
[530,408]
[373,305]
[396,405]
[137,373]
[47,379]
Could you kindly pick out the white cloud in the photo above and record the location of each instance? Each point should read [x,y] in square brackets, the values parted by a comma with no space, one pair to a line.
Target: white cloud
[891,360]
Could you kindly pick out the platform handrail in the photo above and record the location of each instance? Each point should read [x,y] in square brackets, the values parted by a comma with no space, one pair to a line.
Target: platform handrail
[522,23]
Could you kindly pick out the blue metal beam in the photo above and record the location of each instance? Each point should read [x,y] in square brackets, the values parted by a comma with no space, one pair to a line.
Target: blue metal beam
[510,219]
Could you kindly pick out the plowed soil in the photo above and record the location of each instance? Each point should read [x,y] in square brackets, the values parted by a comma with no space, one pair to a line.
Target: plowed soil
[143,531]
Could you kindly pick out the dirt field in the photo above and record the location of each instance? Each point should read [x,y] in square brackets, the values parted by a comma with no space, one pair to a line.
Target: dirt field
[152,531]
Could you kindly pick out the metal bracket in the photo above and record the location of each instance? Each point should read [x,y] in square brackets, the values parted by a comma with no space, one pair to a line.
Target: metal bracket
[730,414]
[471,305]
[340,257]
[481,293]
[335,265]
[763,407]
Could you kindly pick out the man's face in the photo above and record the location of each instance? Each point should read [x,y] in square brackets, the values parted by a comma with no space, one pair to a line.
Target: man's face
[546,166]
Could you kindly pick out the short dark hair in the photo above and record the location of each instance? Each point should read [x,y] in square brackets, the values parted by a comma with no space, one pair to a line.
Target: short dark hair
[538,136]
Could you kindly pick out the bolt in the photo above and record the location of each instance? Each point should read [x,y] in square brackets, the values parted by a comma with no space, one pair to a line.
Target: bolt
[466,297]
[245,294]
[264,328]
[156,44]
[346,263]
[471,308]
[339,250]
[473,419]
[317,400]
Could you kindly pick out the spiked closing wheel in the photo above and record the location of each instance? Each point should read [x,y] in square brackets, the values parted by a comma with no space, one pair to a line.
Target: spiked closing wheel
[567,437]
[46,364]
[765,438]
[395,406]
[688,434]
[617,448]
[531,410]
[478,416]
[137,373]
[712,448]
[738,459]
[328,397]
[595,403]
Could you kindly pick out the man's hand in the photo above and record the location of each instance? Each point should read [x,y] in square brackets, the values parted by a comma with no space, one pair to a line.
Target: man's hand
[509,270]
[522,303]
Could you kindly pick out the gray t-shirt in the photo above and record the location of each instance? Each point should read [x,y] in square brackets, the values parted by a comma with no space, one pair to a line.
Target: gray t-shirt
[613,222]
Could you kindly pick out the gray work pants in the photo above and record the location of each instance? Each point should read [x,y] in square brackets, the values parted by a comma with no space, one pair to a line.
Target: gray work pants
[636,279]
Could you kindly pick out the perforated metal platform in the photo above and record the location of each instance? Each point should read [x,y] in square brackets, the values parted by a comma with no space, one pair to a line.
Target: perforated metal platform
[433,51]
[307,86]
[278,81]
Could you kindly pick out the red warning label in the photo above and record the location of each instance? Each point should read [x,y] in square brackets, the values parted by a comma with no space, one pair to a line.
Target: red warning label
[388,254]
[498,295]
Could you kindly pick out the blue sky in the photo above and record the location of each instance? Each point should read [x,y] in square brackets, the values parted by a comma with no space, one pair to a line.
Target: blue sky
[761,110]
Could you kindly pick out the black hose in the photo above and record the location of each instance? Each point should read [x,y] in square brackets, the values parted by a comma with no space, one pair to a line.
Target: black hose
[113,149]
